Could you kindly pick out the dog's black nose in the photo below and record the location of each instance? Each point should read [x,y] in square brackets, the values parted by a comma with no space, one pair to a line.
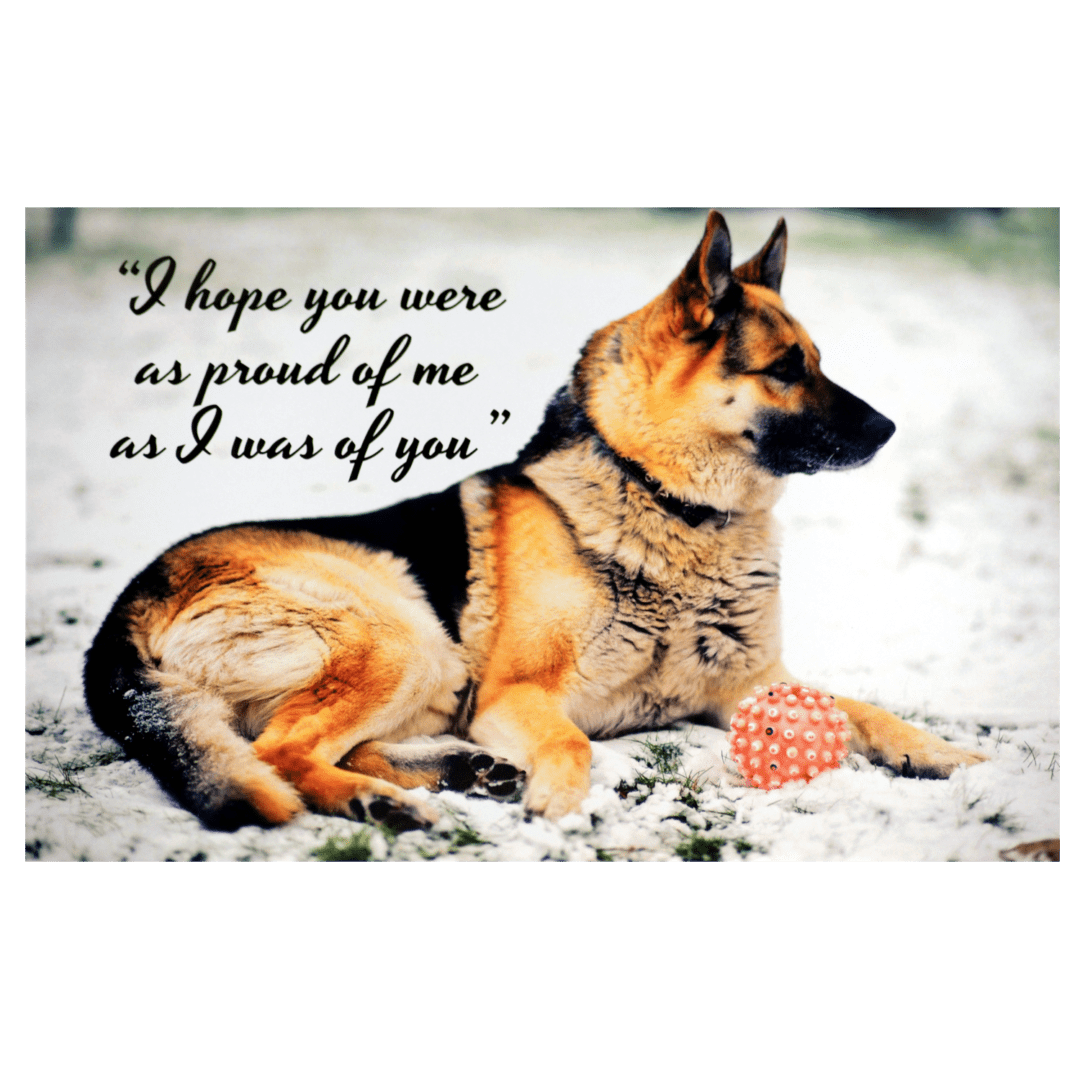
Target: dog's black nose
[878,429]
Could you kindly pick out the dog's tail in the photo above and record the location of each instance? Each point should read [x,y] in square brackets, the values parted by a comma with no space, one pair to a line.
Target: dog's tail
[182,733]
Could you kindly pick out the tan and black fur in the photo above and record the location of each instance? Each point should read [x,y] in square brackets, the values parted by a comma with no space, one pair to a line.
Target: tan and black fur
[622,574]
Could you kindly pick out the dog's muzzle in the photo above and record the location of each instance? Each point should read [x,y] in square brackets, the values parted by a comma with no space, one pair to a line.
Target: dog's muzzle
[846,434]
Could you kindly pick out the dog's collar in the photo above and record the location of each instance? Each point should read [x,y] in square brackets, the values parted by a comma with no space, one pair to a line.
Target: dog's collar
[694,514]
[566,422]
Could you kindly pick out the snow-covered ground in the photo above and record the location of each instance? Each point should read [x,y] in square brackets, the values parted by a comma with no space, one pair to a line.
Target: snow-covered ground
[927,582]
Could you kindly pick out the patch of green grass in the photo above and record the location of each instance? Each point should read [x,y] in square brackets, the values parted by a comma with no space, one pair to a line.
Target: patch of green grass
[603,856]
[426,846]
[466,836]
[357,848]
[107,756]
[663,759]
[662,763]
[701,848]
[58,780]
[1000,820]
[1029,751]
[1030,754]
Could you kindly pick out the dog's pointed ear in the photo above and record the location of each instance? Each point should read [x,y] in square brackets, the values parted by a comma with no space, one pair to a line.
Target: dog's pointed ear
[767,266]
[702,290]
[714,257]
[710,265]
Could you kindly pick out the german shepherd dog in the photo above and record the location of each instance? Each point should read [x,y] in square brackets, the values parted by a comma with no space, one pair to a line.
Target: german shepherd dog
[620,575]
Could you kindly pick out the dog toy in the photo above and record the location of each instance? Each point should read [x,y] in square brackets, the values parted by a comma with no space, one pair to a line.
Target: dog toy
[787,732]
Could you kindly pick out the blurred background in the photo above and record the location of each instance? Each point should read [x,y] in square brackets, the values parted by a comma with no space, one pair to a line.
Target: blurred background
[927,580]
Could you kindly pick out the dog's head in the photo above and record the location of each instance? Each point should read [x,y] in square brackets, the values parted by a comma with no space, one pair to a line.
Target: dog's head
[716,390]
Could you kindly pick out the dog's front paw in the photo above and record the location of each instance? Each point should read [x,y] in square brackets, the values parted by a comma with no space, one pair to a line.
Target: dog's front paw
[887,740]
[480,773]
[541,799]
[556,789]
[935,762]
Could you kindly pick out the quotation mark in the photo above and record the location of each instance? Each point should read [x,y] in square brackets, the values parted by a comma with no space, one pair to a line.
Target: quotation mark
[134,267]
[495,415]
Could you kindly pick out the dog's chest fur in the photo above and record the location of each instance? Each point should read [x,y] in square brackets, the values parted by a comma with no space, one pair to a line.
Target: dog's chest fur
[674,621]
[669,645]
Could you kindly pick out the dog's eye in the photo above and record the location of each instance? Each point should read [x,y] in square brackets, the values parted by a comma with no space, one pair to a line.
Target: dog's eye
[790,368]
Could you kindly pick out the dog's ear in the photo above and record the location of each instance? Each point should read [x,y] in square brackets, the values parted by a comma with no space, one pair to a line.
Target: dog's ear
[767,266]
[706,287]
[714,258]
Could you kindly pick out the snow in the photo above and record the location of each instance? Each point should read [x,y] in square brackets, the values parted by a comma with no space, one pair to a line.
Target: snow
[926,582]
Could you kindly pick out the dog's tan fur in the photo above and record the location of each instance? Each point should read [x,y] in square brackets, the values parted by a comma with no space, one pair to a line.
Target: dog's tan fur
[291,665]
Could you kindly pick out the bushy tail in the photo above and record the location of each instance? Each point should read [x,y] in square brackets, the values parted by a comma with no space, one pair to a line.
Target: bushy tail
[183,734]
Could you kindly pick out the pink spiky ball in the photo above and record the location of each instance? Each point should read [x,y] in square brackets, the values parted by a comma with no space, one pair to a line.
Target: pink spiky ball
[785,733]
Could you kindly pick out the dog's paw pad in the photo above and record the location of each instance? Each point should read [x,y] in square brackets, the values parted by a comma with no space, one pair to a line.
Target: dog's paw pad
[482,774]
[458,773]
[398,816]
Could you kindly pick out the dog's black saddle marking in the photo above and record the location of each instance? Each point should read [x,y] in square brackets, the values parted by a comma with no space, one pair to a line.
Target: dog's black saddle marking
[428,532]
